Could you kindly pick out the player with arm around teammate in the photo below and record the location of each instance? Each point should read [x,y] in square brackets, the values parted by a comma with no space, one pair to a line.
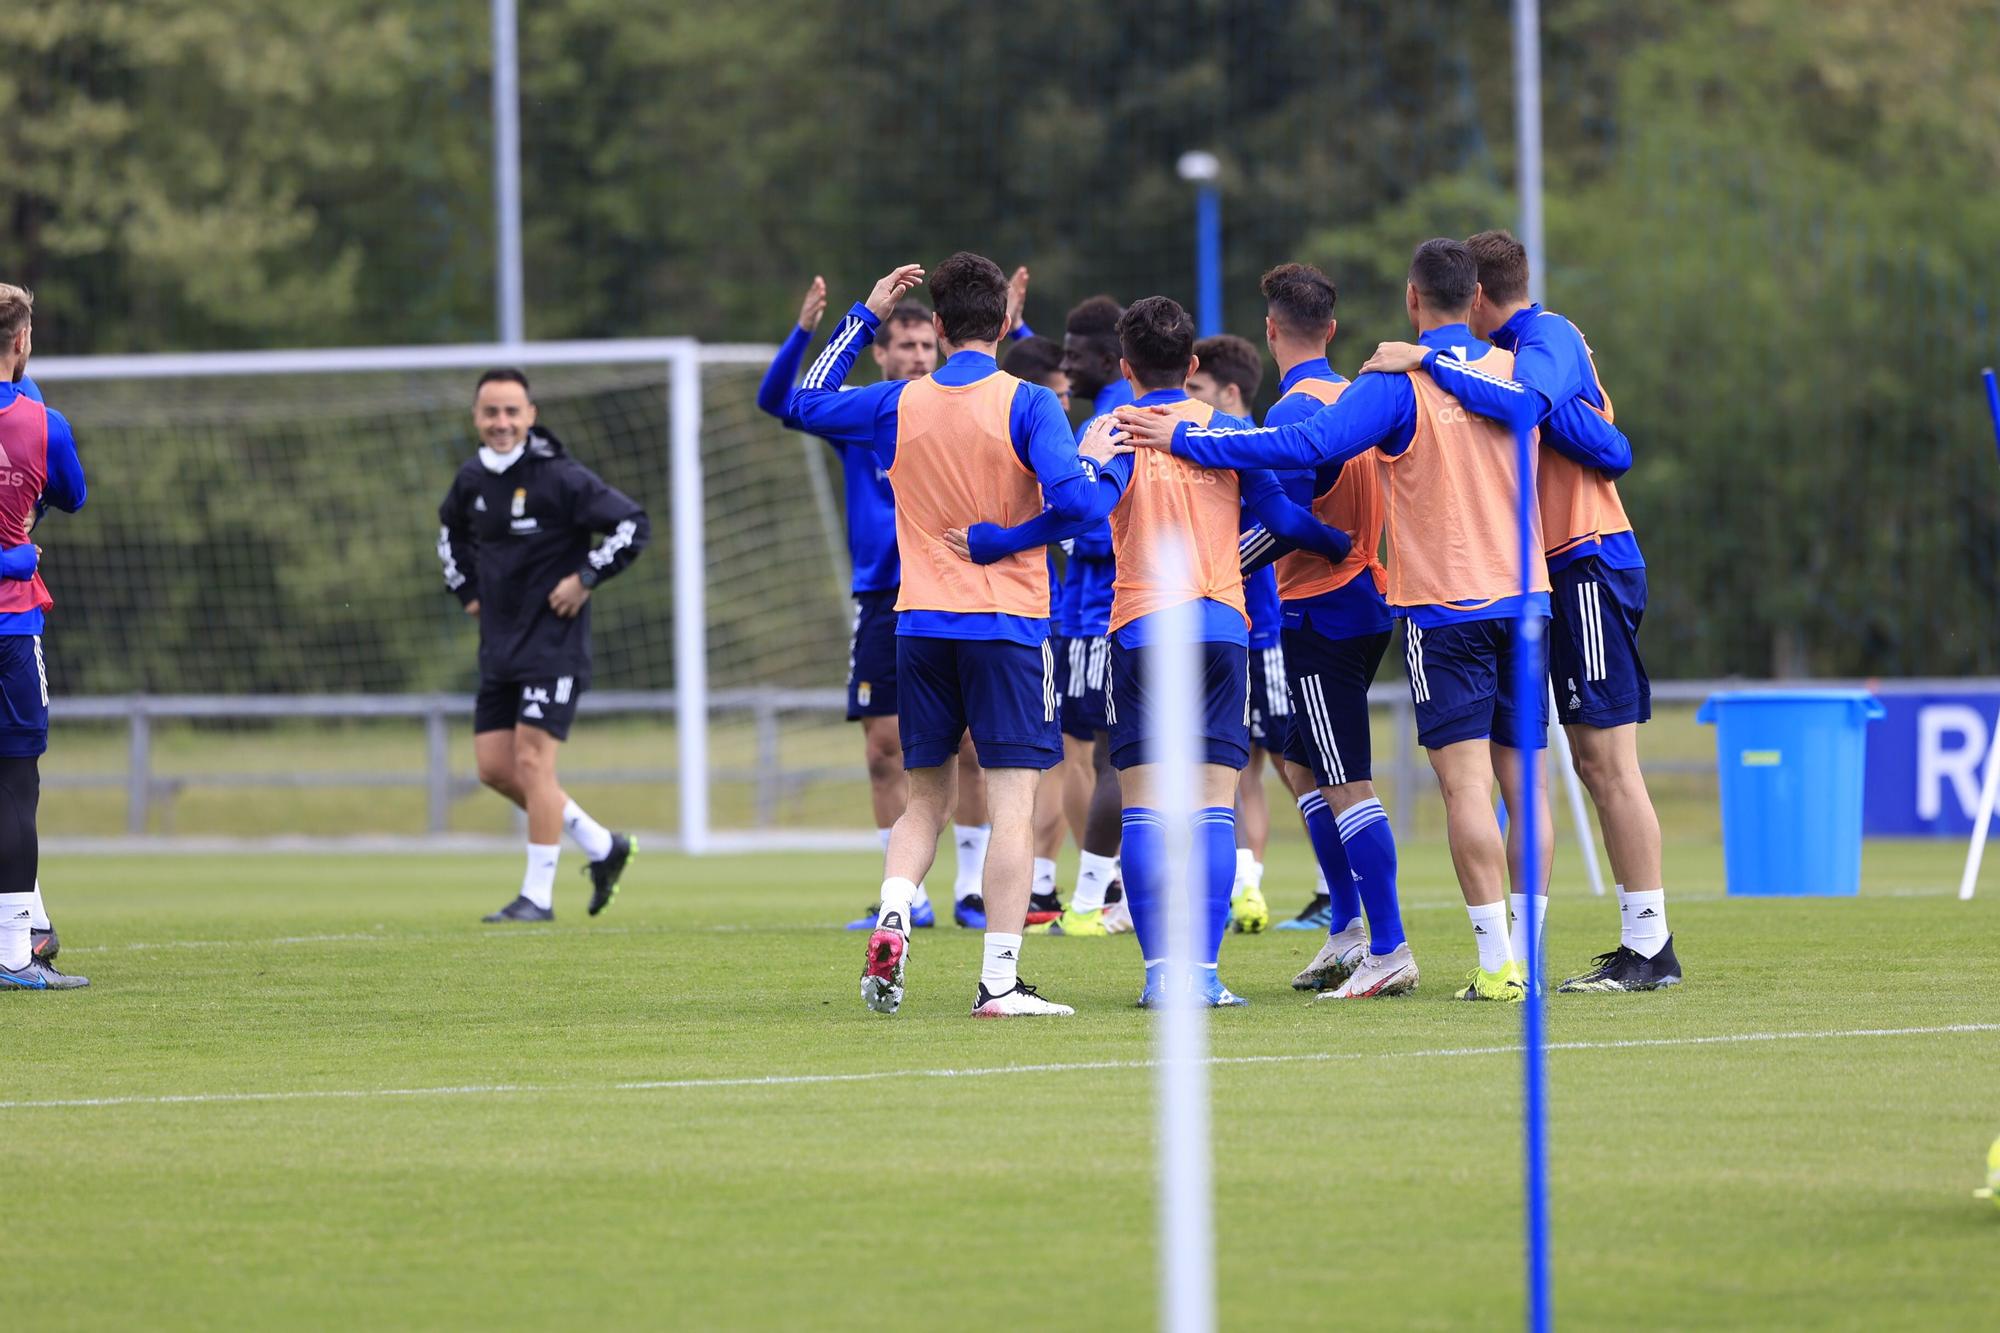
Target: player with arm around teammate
[516,535]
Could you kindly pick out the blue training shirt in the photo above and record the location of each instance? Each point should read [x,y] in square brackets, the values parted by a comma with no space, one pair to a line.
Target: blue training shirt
[65,488]
[1551,357]
[1087,584]
[1039,431]
[870,503]
[1349,612]
[1378,412]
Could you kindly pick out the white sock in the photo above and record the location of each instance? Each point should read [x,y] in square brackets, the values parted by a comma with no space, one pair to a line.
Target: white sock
[1517,906]
[591,836]
[16,949]
[1094,874]
[1642,921]
[1045,875]
[970,839]
[1001,967]
[40,919]
[1319,883]
[538,885]
[1249,870]
[1489,932]
[898,894]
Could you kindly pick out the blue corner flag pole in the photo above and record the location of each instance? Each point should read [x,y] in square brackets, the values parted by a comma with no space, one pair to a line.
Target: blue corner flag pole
[1529,693]
[1993,404]
[1208,260]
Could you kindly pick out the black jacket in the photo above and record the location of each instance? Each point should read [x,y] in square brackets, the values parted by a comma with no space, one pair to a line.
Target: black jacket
[509,537]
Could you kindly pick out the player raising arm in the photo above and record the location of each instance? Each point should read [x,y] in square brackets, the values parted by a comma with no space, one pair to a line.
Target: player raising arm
[1449,486]
[966,444]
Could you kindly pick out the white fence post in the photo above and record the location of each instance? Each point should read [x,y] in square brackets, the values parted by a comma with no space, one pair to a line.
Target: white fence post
[690,597]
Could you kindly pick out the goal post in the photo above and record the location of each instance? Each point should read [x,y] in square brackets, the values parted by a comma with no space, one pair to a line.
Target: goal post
[671,419]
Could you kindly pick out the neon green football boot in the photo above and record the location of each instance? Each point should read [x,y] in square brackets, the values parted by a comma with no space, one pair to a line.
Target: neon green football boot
[1074,924]
[1249,914]
[1509,985]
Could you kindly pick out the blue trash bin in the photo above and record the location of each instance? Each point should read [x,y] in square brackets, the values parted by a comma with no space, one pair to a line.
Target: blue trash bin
[1791,765]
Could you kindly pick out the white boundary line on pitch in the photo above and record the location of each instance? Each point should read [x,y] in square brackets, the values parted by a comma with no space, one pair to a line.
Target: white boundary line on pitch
[993,1071]
[545,932]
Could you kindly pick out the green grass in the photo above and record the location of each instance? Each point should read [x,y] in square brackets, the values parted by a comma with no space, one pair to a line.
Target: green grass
[1371,1172]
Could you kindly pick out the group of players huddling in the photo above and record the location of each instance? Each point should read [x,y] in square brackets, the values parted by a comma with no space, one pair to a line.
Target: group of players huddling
[1287,551]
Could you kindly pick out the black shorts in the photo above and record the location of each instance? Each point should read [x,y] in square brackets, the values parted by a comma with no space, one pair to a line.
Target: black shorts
[1329,679]
[548,704]
[1594,645]
[871,656]
[1270,700]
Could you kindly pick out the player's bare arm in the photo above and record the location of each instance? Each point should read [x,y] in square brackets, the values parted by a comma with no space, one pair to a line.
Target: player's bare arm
[813,308]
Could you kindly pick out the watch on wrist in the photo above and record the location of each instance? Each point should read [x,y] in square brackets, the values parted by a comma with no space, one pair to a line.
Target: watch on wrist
[587,577]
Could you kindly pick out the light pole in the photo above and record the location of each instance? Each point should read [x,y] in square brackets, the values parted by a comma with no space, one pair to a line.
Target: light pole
[1201,169]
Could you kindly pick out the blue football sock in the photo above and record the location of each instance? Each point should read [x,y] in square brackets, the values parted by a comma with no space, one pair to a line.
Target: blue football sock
[1214,856]
[1144,867]
[1325,835]
[1371,850]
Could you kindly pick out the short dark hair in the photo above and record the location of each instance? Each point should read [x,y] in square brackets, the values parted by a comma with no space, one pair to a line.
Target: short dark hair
[1033,359]
[1157,339]
[504,375]
[906,312]
[1096,320]
[1445,274]
[1300,298]
[1503,265]
[1232,360]
[970,293]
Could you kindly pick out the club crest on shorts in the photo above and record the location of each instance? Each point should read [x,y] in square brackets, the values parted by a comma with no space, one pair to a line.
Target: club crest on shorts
[863,692]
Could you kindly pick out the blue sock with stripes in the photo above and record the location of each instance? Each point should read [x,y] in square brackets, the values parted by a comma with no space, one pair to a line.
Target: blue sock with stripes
[1214,857]
[1325,835]
[1371,850]
[1143,859]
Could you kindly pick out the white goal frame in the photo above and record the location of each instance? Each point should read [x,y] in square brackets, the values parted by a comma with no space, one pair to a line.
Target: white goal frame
[683,359]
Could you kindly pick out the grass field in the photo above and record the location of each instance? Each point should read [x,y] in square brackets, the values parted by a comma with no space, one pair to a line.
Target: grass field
[318,1093]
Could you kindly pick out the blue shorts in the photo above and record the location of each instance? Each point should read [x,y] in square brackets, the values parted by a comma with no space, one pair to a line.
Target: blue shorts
[1225,705]
[1329,681]
[871,657]
[24,697]
[1594,645]
[1270,701]
[1003,692]
[1086,688]
[1462,680]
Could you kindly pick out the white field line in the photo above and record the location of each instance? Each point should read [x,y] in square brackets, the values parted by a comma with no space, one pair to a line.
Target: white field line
[992,1071]
[544,932]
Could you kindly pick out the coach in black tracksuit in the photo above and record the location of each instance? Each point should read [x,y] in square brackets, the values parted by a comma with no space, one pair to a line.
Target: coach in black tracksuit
[517,534]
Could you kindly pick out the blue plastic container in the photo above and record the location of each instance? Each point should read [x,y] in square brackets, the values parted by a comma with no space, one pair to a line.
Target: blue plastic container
[1791,765]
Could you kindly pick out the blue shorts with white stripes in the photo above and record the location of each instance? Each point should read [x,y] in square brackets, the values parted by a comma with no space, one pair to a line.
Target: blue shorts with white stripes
[1003,692]
[1329,680]
[1462,682]
[24,697]
[1085,677]
[1270,700]
[1594,645]
[1223,734]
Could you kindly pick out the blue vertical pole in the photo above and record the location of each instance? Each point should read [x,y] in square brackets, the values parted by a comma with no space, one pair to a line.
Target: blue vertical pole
[1993,404]
[1208,259]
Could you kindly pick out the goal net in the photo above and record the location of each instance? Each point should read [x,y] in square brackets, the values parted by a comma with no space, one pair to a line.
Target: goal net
[252,640]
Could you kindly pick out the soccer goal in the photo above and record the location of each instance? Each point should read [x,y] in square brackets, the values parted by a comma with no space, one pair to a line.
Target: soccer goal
[252,645]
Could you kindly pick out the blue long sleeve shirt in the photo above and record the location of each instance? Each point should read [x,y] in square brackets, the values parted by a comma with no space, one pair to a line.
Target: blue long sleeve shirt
[65,488]
[870,503]
[1359,608]
[1551,357]
[1085,601]
[1376,412]
[1039,431]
